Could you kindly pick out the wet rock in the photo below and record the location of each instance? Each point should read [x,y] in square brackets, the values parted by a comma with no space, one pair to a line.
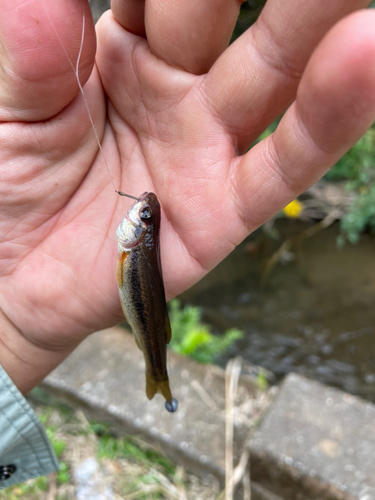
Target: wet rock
[316,443]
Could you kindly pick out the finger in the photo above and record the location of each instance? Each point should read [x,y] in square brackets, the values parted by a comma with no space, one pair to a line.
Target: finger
[130,14]
[148,82]
[190,34]
[335,105]
[40,42]
[256,78]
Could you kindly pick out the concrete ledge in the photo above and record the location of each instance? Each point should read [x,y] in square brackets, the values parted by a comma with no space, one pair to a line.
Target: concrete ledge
[105,375]
[316,443]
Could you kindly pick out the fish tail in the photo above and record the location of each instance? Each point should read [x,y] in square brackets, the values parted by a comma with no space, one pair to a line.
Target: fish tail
[153,386]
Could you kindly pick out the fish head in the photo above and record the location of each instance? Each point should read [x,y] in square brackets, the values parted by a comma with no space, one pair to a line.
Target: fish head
[142,217]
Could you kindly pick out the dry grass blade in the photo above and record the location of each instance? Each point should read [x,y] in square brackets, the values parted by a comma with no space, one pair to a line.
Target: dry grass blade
[179,479]
[246,487]
[232,374]
[170,489]
[241,473]
[154,488]
[52,487]
[241,469]
[203,394]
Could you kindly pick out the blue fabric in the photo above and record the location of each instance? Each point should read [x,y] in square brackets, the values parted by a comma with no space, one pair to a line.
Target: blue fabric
[23,440]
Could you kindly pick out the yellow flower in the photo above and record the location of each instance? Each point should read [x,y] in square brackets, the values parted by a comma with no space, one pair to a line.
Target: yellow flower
[294,209]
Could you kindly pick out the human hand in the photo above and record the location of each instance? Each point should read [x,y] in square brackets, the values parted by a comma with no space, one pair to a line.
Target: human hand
[176,113]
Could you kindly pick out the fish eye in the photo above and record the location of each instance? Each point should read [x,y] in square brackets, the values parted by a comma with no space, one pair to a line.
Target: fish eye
[145,213]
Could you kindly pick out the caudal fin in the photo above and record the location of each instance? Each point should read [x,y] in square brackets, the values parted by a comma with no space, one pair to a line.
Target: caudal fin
[152,387]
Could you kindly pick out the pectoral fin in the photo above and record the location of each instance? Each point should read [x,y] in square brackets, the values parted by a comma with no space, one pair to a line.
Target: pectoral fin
[120,269]
[168,330]
[138,343]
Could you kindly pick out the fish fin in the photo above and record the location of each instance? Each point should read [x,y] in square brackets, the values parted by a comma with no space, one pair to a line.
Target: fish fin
[120,268]
[152,387]
[123,312]
[137,342]
[168,330]
[120,277]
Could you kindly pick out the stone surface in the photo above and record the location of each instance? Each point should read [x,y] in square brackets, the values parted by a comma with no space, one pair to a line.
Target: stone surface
[105,375]
[316,443]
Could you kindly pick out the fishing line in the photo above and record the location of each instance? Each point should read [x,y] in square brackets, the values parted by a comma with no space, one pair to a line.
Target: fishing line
[121,193]
[76,73]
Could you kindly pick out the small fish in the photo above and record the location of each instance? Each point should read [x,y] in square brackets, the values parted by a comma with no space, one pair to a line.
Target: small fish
[141,287]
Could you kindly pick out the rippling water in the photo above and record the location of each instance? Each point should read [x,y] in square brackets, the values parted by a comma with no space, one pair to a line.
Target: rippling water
[315,314]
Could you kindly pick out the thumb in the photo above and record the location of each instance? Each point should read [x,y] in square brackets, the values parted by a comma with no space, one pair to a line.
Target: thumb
[39,45]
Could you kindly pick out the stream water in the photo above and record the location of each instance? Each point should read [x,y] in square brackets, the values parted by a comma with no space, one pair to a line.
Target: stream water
[314,314]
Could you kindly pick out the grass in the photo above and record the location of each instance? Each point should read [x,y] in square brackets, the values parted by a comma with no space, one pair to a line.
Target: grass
[131,449]
[133,469]
[35,488]
[193,338]
[356,170]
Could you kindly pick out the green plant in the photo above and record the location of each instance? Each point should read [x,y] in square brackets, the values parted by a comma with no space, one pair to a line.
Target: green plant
[58,446]
[270,130]
[128,448]
[98,428]
[249,13]
[356,165]
[33,488]
[146,487]
[261,381]
[63,475]
[357,168]
[192,338]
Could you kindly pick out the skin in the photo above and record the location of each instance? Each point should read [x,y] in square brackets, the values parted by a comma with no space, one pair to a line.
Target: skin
[176,114]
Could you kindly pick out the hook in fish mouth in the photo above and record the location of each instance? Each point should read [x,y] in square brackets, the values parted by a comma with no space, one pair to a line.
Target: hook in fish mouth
[121,193]
[140,198]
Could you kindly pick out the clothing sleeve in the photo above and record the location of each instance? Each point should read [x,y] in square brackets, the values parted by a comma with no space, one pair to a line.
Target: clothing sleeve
[25,450]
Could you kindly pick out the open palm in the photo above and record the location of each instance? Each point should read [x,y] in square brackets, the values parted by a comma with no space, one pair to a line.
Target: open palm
[176,114]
